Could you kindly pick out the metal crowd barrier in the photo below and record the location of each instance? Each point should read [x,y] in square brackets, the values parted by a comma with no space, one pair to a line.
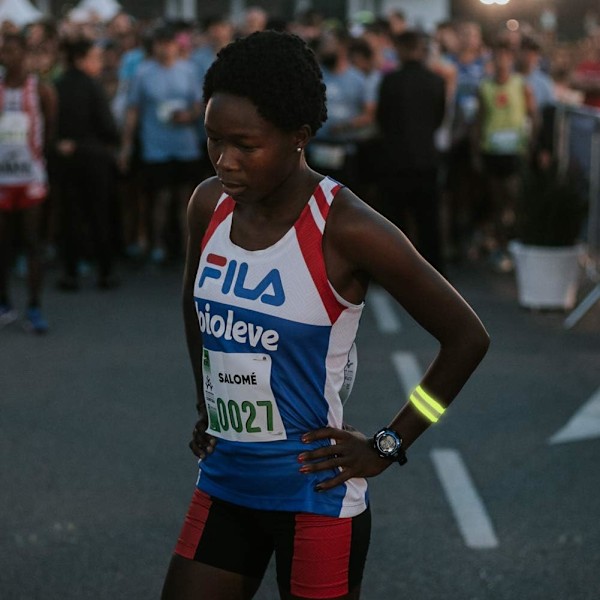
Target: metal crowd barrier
[577,144]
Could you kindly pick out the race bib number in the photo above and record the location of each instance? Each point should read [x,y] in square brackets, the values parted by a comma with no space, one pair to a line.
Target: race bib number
[13,128]
[507,141]
[239,400]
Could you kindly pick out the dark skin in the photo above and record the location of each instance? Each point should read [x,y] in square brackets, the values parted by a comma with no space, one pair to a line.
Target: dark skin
[260,167]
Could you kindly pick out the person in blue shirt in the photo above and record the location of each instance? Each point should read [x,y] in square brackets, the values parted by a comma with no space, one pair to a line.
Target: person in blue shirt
[218,32]
[350,109]
[540,83]
[165,100]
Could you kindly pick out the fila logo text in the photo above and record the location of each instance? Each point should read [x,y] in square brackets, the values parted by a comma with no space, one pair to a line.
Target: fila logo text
[232,276]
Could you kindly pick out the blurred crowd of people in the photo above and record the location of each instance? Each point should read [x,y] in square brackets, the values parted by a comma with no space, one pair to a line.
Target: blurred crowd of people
[102,138]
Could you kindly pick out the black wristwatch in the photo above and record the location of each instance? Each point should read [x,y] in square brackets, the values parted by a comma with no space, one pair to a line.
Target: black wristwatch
[388,444]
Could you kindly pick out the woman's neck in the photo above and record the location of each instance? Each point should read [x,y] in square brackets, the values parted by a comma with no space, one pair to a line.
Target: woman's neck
[15,77]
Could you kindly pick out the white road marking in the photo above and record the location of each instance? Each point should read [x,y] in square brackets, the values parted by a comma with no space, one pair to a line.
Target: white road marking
[408,370]
[583,425]
[383,310]
[473,521]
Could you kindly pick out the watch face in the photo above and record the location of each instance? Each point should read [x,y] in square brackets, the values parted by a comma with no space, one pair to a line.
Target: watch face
[388,443]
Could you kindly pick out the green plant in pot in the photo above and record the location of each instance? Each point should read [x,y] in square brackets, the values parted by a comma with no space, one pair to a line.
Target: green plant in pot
[550,215]
[551,208]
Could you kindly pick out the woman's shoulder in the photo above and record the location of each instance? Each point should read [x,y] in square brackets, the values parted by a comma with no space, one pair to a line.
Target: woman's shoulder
[204,200]
[351,217]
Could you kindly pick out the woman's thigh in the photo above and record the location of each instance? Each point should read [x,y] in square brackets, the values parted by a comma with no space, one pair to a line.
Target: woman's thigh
[188,579]
[322,557]
[221,554]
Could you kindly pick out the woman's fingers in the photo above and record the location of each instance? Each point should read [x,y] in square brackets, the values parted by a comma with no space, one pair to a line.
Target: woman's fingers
[202,443]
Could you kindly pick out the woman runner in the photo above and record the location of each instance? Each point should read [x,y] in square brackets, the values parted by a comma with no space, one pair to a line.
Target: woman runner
[278,264]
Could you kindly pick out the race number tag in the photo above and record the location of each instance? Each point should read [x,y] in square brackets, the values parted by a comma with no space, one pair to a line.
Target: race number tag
[239,400]
[16,160]
[506,141]
[13,128]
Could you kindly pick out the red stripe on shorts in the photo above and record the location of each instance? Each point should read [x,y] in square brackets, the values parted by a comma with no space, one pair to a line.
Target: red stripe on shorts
[193,526]
[320,565]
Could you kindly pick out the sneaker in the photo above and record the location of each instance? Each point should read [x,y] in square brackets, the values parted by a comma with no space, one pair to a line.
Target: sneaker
[158,256]
[8,315]
[34,321]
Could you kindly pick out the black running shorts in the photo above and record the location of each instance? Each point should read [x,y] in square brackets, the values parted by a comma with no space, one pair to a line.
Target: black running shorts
[316,556]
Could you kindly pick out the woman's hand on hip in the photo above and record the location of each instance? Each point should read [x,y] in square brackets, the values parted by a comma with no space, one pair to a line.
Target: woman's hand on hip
[352,453]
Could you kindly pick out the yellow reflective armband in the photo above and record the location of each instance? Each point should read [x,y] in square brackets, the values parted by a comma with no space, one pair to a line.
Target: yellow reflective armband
[426,405]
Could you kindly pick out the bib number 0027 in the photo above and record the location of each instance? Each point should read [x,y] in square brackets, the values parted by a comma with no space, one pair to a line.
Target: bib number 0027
[238,397]
[241,417]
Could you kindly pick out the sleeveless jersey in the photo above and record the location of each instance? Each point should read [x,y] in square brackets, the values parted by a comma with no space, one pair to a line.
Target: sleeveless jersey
[21,137]
[276,340]
[504,128]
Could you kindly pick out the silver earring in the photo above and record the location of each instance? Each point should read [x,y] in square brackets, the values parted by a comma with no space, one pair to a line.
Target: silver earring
[298,149]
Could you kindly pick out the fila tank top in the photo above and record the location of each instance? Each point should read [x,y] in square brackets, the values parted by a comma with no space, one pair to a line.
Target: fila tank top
[276,341]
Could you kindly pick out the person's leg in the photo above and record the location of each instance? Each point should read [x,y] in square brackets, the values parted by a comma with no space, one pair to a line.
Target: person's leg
[188,177]
[505,180]
[71,221]
[427,217]
[31,223]
[31,227]
[98,209]
[158,185]
[8,314]
[321,557]
[6,236]
[191,580]
[221,554]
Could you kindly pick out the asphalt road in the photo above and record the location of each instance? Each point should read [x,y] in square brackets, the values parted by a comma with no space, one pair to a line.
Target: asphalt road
[96,475]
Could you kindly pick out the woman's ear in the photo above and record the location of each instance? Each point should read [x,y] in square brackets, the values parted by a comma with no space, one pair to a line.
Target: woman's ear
[302,136]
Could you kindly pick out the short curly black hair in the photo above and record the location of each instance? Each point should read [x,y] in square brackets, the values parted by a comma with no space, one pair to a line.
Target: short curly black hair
[278,73]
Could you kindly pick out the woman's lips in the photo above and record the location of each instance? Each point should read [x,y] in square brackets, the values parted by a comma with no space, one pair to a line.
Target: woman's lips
[231,186]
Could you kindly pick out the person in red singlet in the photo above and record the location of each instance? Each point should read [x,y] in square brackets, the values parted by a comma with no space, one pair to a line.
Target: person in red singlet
[279,260]
[27,112]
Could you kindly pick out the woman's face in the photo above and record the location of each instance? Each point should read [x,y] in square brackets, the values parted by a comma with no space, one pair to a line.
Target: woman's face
[12,55]
[251,156]
[91,64]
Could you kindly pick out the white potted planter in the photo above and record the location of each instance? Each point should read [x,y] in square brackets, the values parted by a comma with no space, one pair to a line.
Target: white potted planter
[547,277]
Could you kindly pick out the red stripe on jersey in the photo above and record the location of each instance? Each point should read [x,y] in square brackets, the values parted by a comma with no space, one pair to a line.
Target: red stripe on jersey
[310,241]
[322,203]
[193,526]
[216,259]
[321,560]
[222,211]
